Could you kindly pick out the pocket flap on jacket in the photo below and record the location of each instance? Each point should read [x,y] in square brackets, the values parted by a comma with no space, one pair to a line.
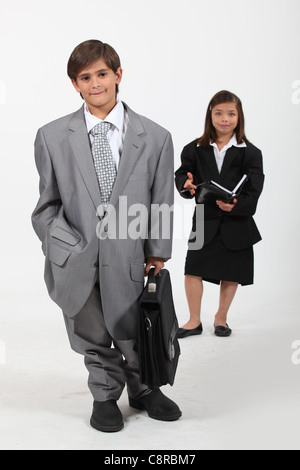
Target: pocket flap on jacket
[57,254]
[137,272]
[65,236]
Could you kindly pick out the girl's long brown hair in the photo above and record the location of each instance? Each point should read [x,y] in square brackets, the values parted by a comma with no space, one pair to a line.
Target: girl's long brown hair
[210,134]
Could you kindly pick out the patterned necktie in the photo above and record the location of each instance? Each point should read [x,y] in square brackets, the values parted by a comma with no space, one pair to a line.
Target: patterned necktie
[103,160]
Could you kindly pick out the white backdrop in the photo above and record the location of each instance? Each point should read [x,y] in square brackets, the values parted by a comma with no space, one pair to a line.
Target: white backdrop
[175,56]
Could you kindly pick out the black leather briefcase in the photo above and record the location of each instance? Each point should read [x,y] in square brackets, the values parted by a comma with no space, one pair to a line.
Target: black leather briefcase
[158,346]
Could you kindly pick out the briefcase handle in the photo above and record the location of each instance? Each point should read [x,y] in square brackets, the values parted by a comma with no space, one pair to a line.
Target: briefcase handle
[152,281]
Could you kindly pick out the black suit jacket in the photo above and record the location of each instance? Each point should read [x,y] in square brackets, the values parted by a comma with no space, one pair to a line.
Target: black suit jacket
[238,229]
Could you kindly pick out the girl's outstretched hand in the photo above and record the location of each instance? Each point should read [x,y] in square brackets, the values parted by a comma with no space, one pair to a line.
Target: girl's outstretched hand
[189,184]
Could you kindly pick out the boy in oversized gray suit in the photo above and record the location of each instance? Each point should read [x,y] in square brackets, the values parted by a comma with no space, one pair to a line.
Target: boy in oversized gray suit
[95,165]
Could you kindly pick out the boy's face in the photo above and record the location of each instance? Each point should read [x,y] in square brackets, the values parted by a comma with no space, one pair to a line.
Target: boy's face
[97,84]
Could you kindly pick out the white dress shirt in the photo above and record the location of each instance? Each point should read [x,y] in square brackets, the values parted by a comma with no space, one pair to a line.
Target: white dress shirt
[220,154]
[118,117]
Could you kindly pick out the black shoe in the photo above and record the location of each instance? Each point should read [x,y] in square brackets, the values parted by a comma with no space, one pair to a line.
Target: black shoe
[223,331]
[183,333]
[106,416]
[157,405]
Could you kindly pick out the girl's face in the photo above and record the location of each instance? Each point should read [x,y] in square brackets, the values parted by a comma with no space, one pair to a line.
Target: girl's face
[225,118]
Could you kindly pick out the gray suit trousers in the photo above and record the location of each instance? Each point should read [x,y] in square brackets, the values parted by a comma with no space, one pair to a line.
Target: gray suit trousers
[104,356]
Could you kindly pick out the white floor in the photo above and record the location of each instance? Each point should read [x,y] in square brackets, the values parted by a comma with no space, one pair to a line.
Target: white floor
[235,393]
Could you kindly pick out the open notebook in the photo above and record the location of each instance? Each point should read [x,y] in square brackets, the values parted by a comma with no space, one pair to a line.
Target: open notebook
[211,190]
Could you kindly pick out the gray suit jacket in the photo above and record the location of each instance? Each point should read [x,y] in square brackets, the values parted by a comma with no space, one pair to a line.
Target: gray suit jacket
[66,221]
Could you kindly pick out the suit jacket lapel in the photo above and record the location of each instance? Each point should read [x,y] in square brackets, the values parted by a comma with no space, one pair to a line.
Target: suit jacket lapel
[231,154]
[81,147]
[132,149]
[209,158]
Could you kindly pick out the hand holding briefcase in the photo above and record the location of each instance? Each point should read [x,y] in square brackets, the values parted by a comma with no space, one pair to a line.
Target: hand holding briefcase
[158,345]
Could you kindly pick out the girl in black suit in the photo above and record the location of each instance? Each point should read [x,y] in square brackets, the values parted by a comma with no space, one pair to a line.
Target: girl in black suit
[222,154]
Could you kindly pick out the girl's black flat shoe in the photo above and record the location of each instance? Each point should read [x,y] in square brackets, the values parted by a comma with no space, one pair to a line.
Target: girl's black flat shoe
[183,333]
[222,331]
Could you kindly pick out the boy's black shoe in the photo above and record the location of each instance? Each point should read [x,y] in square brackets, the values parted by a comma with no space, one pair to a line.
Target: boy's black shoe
[106,416]
[157,405]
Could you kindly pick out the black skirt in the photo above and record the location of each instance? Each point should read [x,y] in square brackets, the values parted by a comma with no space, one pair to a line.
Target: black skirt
[216,263]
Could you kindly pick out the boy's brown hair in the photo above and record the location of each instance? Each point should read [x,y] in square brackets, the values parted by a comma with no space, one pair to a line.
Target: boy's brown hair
[88,52]
[210,134]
